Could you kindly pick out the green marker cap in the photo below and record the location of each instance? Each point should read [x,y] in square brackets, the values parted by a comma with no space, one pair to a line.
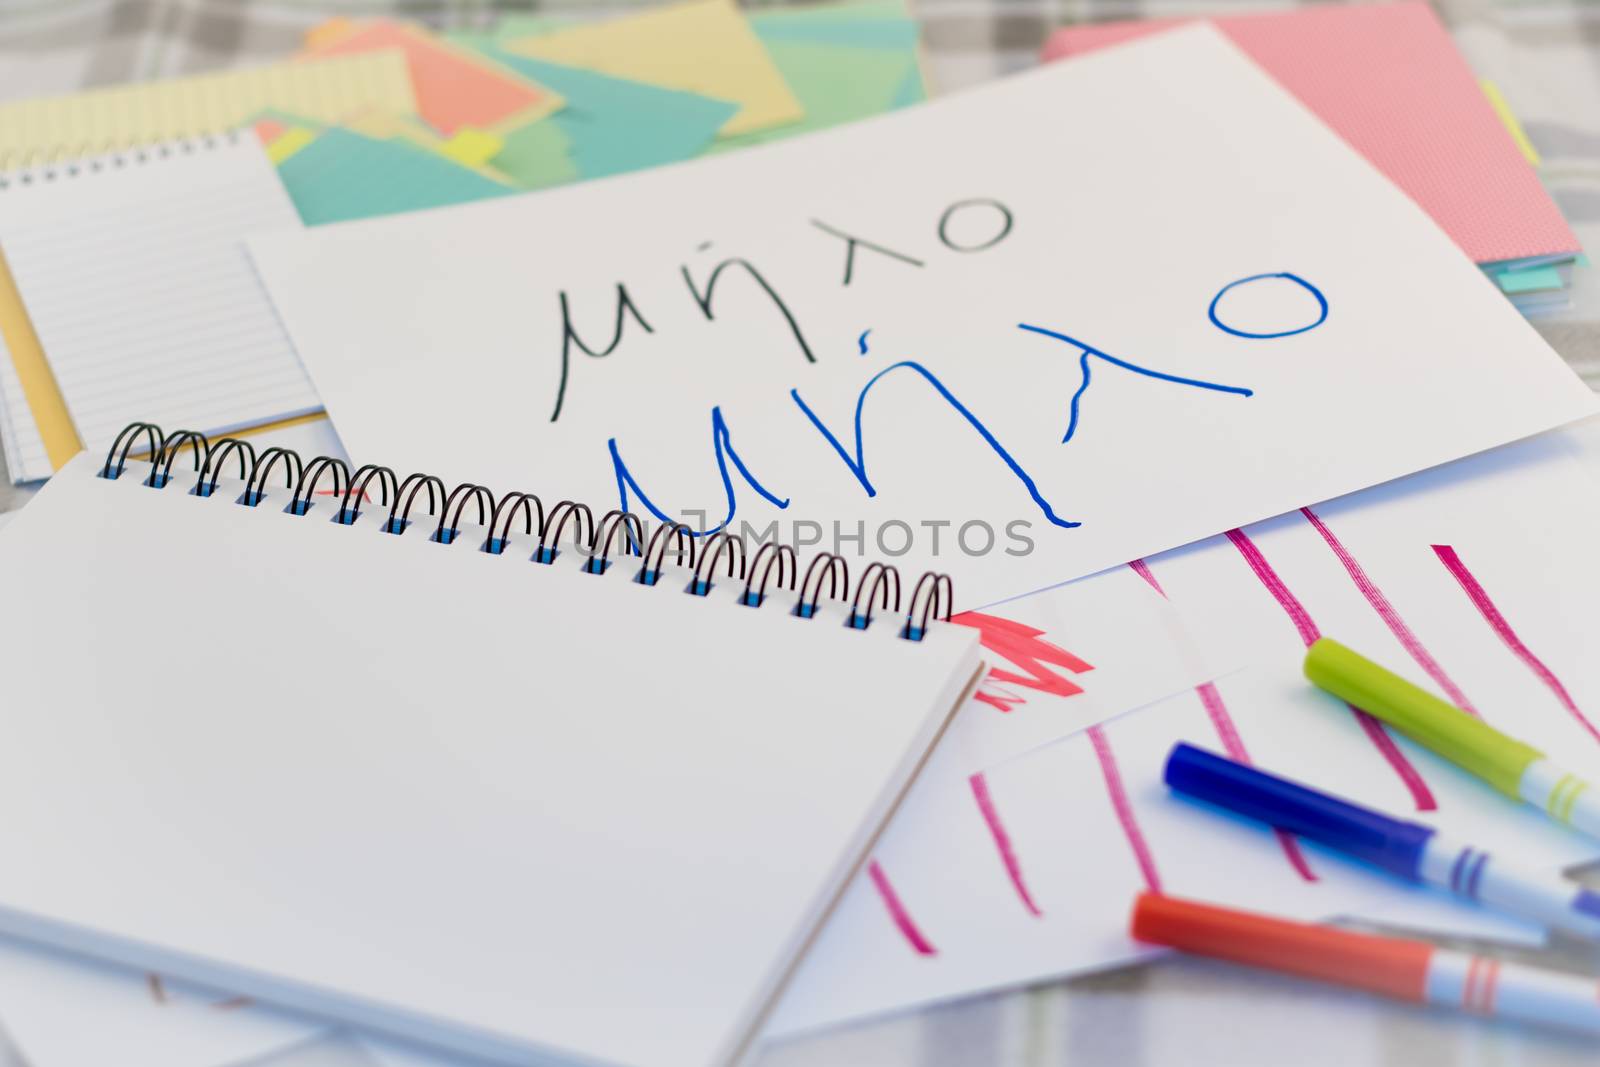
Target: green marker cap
[1457,736]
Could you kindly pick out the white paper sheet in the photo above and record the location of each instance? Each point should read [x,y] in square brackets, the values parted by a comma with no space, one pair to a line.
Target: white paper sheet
[1035,877]
[931,263]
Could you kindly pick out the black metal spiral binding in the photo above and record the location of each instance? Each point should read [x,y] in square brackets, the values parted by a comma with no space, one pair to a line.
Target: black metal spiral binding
[620,532]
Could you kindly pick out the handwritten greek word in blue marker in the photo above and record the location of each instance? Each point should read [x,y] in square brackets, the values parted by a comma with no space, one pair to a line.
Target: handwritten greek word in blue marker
[722,447]
[858,462]
[862,341]
[1410,850]
[1083,366]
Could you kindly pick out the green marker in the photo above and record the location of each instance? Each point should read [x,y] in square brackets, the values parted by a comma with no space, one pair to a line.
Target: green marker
[1519,771]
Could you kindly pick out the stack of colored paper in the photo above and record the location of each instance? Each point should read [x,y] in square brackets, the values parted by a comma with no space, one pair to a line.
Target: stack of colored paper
[1390,81]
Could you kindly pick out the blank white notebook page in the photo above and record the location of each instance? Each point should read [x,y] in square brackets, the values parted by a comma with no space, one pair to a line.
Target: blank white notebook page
[518,810]
[133,271]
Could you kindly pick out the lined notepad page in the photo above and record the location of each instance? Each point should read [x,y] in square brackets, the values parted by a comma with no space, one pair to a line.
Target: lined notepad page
[328,90]
[134,272]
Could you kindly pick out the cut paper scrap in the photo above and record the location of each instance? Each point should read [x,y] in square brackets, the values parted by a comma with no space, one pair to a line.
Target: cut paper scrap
[463,148]
[1441,576]
[339,175]
[1389,80]
[610,125]
[538,156]
[864,25]
[1508,118]
[835,83]
[472,147]
[455,88]
[327,90]
[602,368]
[704,46]
[284,134]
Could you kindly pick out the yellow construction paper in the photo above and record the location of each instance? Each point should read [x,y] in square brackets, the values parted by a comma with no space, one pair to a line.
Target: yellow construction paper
[39,387]
[327,90]
[705,46]
[291,142]
[1498,101]
[471,147]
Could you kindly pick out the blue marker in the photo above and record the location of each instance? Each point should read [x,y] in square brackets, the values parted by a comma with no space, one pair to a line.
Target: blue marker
[1410,850]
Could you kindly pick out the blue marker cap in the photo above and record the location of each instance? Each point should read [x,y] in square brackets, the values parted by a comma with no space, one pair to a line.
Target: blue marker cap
[1377,839]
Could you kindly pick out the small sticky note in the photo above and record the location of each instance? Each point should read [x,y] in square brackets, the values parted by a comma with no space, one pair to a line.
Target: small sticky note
[705,47]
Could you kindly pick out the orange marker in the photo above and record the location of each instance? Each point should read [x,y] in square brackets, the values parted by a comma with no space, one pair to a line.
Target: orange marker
[1399,968]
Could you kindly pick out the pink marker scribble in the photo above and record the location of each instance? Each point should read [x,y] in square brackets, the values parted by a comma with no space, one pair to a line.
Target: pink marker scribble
[158,988]
[1120,804]
[1391,617]
[1232,743]
[897,912]
[1142,569]
[1508,636]
[1002,842]
[1421,795]
[1024,646]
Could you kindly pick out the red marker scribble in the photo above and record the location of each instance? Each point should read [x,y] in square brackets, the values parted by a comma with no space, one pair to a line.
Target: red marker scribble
[233,1003]
[158,991]
[1126,818]
[1421,795]
[897,912]
[366,497]
[1002,842]
[1502,628]
[1025,647]
[1391,618]
[1232,742]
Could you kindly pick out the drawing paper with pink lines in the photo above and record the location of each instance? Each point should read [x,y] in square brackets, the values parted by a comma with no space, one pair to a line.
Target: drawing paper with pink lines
[1466,579]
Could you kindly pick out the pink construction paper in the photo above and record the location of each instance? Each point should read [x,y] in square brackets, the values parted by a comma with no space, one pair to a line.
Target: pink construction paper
[1389,80]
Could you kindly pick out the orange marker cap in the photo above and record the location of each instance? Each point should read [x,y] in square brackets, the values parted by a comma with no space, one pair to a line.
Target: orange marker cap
[1393,966]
